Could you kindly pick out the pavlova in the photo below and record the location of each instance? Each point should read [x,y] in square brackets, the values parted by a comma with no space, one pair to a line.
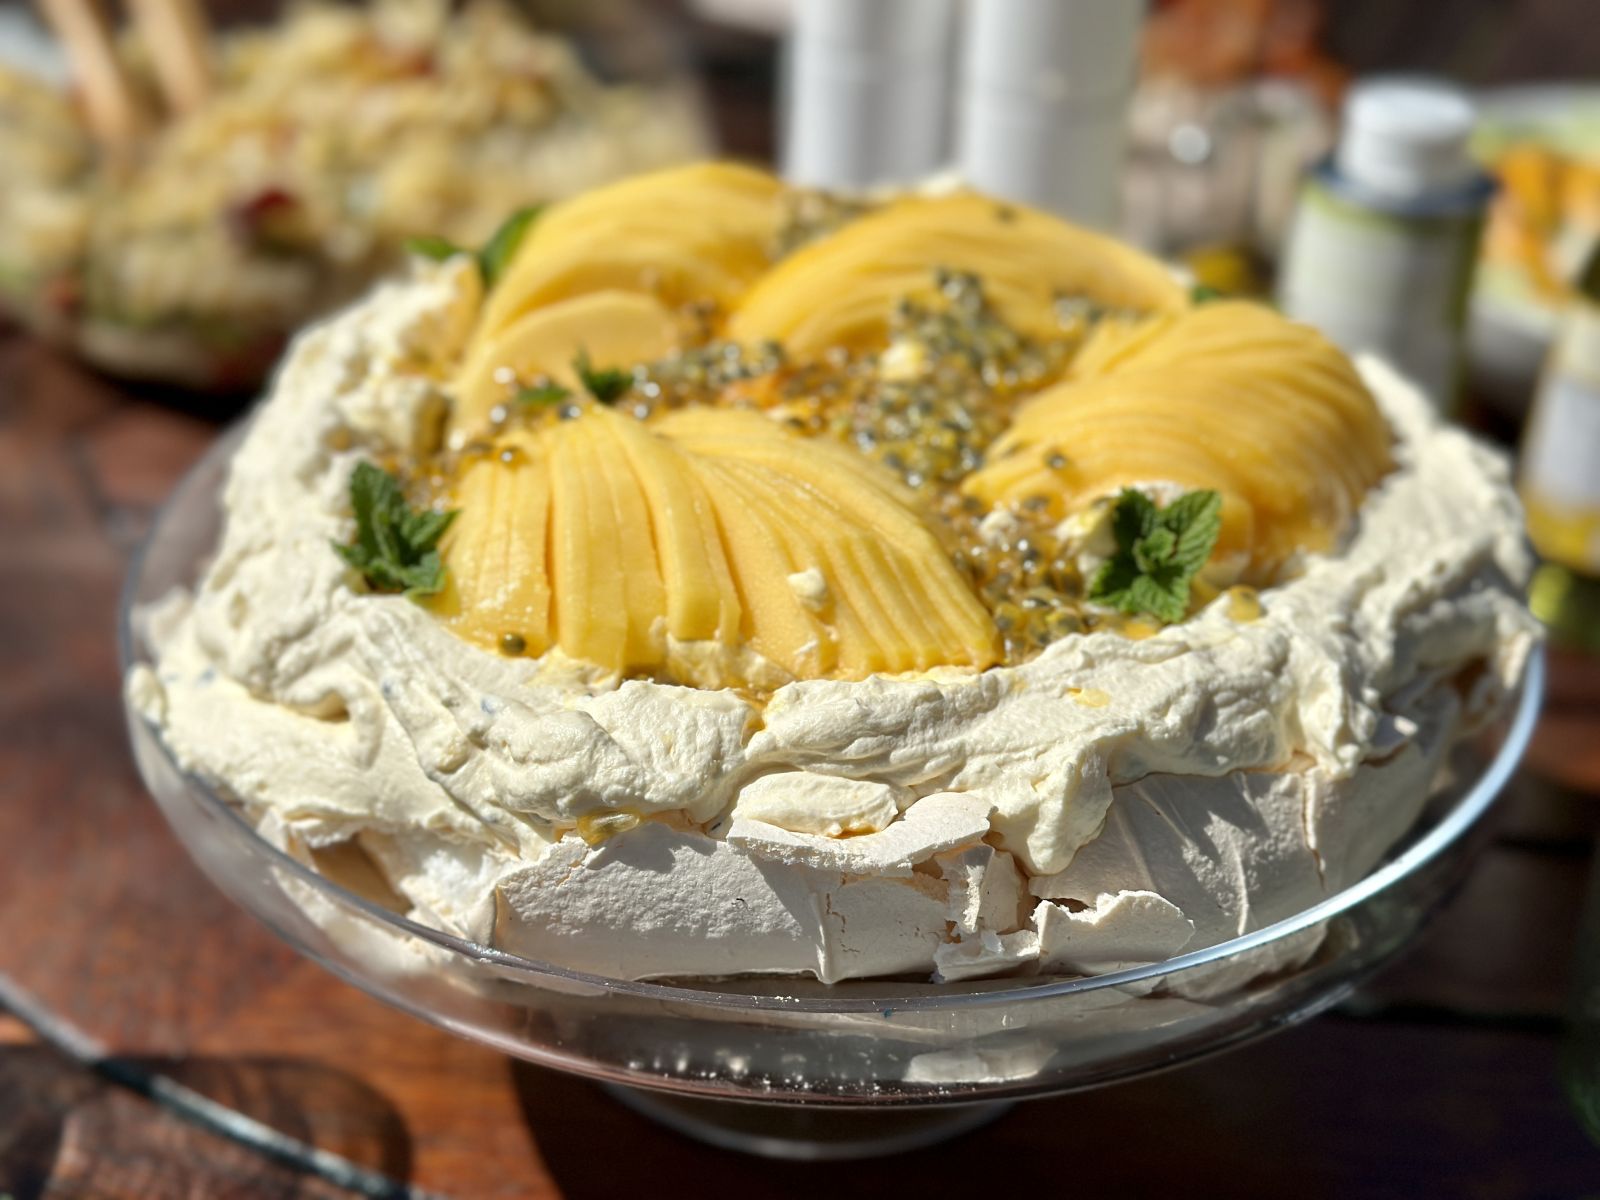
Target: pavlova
[723,579]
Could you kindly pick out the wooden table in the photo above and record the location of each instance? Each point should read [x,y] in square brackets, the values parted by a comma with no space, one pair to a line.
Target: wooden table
[148,1015]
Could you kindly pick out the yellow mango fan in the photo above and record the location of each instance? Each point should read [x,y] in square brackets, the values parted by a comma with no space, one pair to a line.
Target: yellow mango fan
[608,270]
[619,270]
[841,289]
[630,546]
[1229,396]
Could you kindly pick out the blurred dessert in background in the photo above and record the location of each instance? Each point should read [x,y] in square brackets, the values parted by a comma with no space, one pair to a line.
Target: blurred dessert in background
[1542,143]
[1547,214]
[283,168]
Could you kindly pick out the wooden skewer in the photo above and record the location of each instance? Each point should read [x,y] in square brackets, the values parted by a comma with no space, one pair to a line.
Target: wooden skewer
[180,49]
[110,103]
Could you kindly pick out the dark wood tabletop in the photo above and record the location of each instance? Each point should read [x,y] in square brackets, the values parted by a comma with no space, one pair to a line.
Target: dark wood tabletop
[155,1041]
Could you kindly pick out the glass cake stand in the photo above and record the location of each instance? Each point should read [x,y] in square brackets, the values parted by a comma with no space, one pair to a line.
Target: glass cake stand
[790,1067]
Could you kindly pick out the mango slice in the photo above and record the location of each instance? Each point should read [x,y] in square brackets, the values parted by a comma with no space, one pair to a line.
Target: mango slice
[702,601]
[707,526]
[620,519]
[612,327]
[692,233]
[841,290]
[1229,396]
[761,556]
[497,589]
[588,617]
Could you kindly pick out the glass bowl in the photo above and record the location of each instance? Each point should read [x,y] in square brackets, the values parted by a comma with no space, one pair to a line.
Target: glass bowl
[896,1057]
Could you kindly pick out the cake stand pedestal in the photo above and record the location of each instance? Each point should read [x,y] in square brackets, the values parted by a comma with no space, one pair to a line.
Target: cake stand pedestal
[807,1133]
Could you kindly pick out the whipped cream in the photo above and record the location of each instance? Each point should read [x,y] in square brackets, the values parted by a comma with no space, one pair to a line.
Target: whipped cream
[1111,802]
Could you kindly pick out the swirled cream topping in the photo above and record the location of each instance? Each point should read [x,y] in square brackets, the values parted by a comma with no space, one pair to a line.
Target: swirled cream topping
[805,621]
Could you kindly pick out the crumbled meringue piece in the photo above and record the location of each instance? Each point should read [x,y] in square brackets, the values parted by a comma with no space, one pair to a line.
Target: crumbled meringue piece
[986,890]
[810,587]
[986,954]
[1123,929]
[726,913]
[932,824]
[826,805]
[1011,1058]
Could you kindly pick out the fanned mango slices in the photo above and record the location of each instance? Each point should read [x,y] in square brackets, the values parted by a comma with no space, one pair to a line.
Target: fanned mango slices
[628,541]
[842,289]
[693,233]
[896,602]
[610,326]
[1229,396]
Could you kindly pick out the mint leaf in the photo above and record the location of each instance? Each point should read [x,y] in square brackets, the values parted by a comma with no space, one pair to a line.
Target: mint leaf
[497,252]
[1159,551]
[1158,598]
[1151,552]
[396,546]
[543,394]
[432,247]
[1134,516]
[1196,519]
[1114,579]
[423,527]
[501,247]
[605,384]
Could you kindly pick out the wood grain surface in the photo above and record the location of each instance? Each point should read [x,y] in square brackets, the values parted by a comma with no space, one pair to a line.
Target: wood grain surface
[149,1014]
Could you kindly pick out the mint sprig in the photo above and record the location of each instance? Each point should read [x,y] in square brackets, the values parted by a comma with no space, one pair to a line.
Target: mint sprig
[494,256]
[605,384]
[501,247]
[396,546]
[542,395]
[432,247]
[1159,552]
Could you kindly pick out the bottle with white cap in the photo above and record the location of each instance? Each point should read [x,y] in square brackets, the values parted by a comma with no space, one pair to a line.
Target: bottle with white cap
[1381,250]
[867,92]
[1045,90]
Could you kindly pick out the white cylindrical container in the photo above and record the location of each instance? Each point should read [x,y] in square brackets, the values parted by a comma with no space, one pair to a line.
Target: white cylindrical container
[1382,246]
[1045,91]
[1560,474]
[867,92]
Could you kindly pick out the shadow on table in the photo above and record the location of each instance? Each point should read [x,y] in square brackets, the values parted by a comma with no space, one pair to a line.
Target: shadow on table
[595,1147]
[60,1120]
[1335,1108]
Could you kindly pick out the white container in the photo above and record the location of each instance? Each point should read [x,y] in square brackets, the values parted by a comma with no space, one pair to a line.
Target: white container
[1560,469]
[1059,158]
[1045,92]
[1381,250]
[868,92]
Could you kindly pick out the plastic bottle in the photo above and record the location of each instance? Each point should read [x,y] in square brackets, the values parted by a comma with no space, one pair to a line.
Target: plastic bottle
[1382,246]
